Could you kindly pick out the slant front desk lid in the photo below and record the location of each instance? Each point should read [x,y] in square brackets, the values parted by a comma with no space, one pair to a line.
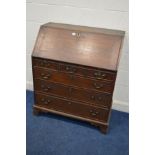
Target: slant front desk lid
[82,45]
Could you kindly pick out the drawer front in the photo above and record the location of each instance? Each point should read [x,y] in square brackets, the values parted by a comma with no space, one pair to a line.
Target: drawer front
[91,73]
[70,79]
[51,88]
[76,70]
[45,63]
[91,97]
[70,107]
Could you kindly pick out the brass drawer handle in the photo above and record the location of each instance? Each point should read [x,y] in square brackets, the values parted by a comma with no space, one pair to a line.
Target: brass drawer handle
[99,75]
[94,113]
[45,101]
[45,88]
[44,63]
[98,86]
[70,69]
[45,76]
[99,98]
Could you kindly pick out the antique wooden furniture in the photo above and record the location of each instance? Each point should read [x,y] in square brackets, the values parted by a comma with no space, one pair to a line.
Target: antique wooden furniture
[74,71]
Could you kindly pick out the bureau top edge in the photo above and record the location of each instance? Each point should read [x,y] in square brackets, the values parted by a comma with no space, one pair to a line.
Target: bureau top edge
[84,28]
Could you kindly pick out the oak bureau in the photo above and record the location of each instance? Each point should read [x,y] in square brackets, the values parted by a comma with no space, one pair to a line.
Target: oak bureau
[74,71]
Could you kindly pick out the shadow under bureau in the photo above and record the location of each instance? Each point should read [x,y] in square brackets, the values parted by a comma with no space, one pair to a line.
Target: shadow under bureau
[74,71]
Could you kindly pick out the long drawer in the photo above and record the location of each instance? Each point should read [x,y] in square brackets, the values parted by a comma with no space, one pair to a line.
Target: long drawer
[71,107]
[91,97]
[72,80]
[77,70]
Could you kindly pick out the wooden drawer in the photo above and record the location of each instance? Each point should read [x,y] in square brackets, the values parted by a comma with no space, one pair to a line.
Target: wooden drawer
[51,88]
[70,79]
[71,107]
[45,63]
[76,94]
[75,69]
[91,97]
[91,73]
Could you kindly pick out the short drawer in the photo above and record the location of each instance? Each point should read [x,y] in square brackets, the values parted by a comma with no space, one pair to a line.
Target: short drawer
[71,107]
[45,63]
[75,69]
[72,80]
[76,94]
[87,72]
